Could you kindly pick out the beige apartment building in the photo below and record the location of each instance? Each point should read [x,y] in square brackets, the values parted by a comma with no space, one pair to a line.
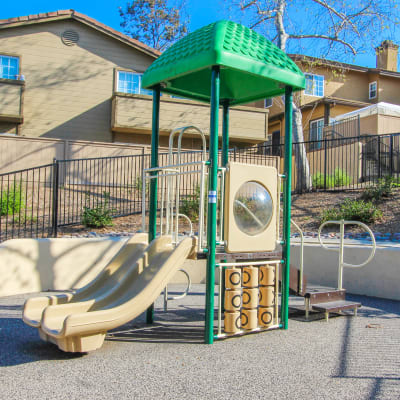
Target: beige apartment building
[64,75]
[336,90]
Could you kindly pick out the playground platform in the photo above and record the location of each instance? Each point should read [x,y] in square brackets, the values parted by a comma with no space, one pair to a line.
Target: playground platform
[346,358]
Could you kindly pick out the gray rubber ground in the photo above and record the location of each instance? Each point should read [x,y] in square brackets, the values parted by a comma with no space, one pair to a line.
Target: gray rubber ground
[346,358]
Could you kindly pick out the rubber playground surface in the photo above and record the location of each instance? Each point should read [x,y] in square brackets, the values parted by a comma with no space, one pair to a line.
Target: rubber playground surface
[347,358]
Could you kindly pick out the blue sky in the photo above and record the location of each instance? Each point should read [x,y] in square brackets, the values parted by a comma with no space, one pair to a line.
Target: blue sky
[201,13]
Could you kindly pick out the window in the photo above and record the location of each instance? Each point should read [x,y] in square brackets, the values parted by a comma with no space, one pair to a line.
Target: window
[9,67]
[268,103]
[130,82]
[372,90]
[314,85]
[316,133]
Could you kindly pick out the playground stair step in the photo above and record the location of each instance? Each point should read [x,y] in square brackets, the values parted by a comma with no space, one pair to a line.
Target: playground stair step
[336,307]
[322,294]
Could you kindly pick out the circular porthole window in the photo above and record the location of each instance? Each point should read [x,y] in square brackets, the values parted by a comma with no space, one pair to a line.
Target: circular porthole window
[69,38]
[252,208]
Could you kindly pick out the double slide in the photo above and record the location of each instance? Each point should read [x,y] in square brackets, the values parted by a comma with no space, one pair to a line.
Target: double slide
[127,286]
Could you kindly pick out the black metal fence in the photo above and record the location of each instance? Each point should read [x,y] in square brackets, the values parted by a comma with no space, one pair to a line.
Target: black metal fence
[343,163]
[35,202]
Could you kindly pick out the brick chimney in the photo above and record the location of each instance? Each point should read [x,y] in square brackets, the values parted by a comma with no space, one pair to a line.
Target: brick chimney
[386,56]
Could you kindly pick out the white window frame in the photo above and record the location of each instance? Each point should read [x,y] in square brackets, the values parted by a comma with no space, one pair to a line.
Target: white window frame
[14,76]
[140,89]
[317,142]
[370,90]
[268,102]
[315,87]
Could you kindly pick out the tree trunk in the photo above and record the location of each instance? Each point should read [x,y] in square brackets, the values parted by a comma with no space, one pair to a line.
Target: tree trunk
[302,177]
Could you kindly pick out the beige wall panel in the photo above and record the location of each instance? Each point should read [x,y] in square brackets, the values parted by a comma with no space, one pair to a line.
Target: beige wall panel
[388,124]
[19,153]
[134,113]
[69,88]
[10,99]
[369,125]
[389,89]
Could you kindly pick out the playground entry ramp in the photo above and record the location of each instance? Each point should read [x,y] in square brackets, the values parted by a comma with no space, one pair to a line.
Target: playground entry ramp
[81,326]
[124,261]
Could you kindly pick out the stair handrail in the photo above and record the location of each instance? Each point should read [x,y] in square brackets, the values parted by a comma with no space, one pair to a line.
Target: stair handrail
[301,255]
[340,249]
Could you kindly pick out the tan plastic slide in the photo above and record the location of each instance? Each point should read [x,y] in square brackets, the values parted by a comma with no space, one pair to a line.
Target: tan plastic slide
[81,326]
[124,261]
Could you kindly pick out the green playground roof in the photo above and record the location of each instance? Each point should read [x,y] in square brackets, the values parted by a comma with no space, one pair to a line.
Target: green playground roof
[252,67]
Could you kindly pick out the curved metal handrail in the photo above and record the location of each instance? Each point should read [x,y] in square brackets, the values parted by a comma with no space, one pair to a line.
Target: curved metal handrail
[372,254]
[340,249]
[179,296]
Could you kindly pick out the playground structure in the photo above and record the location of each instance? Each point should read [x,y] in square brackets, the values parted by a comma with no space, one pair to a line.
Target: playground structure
[224,64]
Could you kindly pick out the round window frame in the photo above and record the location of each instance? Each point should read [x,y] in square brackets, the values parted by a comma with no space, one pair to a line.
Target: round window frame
[266,226]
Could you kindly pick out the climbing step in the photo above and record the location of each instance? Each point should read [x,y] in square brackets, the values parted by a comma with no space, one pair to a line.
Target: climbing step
[321,294]
[336,307]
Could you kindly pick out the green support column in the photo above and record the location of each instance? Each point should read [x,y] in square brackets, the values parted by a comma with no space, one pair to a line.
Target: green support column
[225,135]
[287,206]
[153,183]
[212,207]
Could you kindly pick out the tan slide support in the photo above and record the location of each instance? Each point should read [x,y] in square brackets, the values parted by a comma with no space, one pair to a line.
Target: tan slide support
[121,264]
[82,326]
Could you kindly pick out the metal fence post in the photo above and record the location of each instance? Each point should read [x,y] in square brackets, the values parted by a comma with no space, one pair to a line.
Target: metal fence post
[391,154]
[379,157]
[54,216]
[325,161]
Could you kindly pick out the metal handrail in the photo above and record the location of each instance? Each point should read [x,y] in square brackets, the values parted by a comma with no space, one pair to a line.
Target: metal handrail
[301,255]
[179,296]
[340,249]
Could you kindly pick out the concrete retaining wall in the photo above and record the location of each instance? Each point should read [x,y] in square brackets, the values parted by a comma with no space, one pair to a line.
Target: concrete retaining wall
[34,265]
[379,278]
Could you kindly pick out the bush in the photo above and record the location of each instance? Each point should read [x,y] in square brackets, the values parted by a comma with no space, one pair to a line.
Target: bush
[353,210]
[12,200]
[318,181]
[383,189]
[190,205]
[339,178]
[99,216]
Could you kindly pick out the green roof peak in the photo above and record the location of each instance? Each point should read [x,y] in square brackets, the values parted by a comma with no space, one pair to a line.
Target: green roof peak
[252,67]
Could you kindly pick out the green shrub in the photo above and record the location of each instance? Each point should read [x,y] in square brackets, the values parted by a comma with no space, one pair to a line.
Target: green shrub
[353,210]
[341,178]
[12,200]
[190,205]
[98,216]
[383,189]
[318,181]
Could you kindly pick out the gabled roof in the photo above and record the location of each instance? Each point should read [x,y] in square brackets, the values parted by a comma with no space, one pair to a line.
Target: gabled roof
[343,66]
[252,67]
[72,14]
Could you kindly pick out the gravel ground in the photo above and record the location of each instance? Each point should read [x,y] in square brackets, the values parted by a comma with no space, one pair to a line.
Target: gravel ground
[346,358]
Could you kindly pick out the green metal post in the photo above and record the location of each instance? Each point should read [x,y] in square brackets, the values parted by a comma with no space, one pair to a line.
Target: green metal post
[225,160]
[225,135]
[153,183]
[212,207]
[287,207]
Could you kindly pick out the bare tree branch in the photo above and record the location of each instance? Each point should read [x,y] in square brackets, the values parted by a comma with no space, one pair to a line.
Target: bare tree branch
[330,38]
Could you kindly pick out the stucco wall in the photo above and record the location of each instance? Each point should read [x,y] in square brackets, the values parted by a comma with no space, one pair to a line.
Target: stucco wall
[379,278]
[10,99]
[68,88]
[34,265]
[133,114]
